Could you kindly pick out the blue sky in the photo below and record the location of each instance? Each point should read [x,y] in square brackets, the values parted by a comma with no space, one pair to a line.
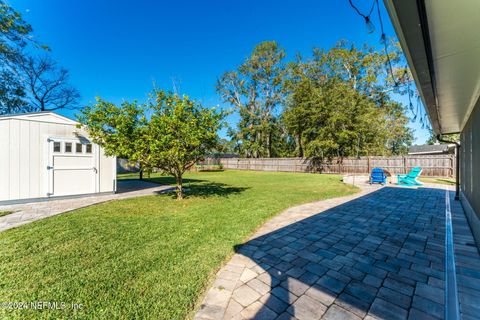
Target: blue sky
[116,49]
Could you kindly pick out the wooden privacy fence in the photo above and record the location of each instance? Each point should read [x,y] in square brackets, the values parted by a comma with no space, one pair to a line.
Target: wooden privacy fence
[432,165]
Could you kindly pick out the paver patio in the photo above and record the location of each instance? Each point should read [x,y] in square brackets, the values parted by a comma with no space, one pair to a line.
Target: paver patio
[377,255]
[29,212]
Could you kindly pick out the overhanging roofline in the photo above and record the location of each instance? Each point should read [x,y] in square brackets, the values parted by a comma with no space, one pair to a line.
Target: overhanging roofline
[410,22]
[11,115]
[27,115]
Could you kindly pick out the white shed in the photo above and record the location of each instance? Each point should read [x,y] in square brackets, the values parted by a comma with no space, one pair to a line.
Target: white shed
[44,155]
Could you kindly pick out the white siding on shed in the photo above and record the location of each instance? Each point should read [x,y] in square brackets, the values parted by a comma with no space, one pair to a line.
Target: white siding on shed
[4,159]
[107,173]
[24,156]
[14,160]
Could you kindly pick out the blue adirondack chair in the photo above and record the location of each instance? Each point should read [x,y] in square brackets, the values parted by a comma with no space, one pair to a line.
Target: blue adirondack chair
[378,176]
[410,179]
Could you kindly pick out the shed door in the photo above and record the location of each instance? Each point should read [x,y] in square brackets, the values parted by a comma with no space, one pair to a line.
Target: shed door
[72,168]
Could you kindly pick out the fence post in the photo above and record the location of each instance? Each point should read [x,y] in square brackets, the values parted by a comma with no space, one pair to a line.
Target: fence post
[368,164]
[404,165]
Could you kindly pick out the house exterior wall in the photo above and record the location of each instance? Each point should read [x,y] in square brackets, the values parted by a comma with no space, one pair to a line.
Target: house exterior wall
[470,171]
[24,157]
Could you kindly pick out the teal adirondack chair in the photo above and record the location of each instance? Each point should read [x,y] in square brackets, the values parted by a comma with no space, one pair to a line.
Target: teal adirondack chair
[410,179]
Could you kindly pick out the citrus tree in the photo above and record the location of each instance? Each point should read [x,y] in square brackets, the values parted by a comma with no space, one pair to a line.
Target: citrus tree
[121,130]
[181,132]
[170,132]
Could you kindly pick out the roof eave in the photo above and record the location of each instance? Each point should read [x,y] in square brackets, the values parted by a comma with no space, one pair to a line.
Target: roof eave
[412,32]
[22,115]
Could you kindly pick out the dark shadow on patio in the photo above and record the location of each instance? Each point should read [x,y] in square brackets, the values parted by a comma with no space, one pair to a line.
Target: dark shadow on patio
[381,255]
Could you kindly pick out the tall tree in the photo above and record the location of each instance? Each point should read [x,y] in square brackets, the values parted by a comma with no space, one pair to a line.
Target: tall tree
[300,102]
[335,121]
[26,83]
[15,34]
[399,136]
[255,90]
[47,84]
[339,105]
[12,94]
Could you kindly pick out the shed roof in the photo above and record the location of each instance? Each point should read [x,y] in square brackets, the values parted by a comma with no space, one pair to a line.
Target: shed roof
[43,116]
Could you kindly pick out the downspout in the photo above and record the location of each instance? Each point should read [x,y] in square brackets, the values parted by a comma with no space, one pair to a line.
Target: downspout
[457,166]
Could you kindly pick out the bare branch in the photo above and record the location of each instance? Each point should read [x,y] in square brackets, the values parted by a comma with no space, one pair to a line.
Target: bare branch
[48,84]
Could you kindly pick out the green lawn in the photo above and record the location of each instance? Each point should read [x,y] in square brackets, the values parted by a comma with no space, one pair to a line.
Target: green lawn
[133,175]
[149,257]
[446,181]
[4,213]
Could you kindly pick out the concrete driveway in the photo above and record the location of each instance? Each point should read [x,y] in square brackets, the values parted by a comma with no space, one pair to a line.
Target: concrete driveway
[29,212]
[380,255]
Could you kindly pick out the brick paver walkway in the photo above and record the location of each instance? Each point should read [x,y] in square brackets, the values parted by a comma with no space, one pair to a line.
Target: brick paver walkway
[467,264]
[377,256]
[29,212]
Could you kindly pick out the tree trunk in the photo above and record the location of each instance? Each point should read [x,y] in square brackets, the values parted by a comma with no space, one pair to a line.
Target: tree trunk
[141,174]
[269,145]
[179,190]
[258,151]
[298,142]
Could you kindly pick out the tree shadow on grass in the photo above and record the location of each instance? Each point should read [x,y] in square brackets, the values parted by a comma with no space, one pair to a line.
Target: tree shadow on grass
[169,180]
[211,170]
[192,187]
[209,189]
[199,188]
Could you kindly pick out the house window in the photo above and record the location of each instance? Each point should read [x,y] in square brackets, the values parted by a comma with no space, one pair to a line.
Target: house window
[89,148]
[56,146]
[68,147]
[78,148]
